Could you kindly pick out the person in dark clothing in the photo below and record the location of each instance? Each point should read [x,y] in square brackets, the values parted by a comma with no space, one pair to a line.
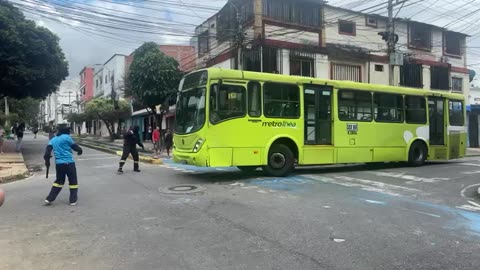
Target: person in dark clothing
[130,140]
[35,131]
[168,141]
[62,146]
[19,131]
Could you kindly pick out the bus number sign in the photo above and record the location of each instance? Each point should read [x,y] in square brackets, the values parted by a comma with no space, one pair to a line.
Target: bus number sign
[352,128]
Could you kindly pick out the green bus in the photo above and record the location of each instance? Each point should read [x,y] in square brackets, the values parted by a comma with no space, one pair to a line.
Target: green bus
[276,122]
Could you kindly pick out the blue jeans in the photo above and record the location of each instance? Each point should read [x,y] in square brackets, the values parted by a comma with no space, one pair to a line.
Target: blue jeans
[19,144]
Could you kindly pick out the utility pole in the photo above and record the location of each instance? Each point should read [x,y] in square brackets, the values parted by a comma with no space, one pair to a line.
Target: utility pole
[390,42]
[239,36]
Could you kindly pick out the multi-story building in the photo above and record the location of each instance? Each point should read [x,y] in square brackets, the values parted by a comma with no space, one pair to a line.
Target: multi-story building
[58,105]
[312,38]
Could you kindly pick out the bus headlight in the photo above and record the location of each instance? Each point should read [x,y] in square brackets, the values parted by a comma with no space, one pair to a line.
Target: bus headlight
[198,145]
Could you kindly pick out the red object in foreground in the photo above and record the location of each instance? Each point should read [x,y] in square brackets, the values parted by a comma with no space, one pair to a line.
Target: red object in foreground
[2,196]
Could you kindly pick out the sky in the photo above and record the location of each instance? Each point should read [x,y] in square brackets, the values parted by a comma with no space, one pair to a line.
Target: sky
[87,41]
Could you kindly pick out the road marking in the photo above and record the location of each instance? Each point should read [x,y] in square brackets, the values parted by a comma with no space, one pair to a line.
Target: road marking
[465,189]
[469,164]
[86,159]
[474,203]
[427,214]
[106,166]
[471,172]
[375,202]
[237,184]
[411,177]
[469,207]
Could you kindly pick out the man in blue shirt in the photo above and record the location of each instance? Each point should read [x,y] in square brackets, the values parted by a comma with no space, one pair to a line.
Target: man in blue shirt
[62,146]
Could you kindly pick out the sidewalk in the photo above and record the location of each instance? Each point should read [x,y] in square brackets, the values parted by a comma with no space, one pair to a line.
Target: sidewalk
[115,147]
[12,164]
[473,152]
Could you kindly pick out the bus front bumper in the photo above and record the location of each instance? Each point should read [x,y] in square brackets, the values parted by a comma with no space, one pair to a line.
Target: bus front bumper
[199,159]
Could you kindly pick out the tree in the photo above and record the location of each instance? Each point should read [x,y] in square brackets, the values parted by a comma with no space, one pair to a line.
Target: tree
[26,109]
[32,63]
[104,109]
[78,118]
[152,79]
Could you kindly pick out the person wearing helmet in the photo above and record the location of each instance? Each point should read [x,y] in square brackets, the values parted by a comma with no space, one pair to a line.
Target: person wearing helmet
[62,146]
[130,140]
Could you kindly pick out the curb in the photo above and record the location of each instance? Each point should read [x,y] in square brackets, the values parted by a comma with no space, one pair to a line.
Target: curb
[14,178]
[119,153]
[90,141]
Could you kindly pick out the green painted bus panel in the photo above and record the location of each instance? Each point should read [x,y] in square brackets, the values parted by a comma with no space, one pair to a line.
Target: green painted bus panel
[246,140]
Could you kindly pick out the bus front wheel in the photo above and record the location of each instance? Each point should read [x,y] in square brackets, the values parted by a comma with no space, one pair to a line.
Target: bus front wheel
[417,154]
[280,161]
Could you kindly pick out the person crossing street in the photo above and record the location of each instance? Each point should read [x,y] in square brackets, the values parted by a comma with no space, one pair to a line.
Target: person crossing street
[62,146]
[130,140]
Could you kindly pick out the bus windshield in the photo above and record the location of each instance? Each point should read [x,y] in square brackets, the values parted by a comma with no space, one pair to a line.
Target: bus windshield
[190,114]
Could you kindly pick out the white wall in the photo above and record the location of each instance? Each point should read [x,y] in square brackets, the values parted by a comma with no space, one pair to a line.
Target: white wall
[284,34]
[227,64]
[474,97]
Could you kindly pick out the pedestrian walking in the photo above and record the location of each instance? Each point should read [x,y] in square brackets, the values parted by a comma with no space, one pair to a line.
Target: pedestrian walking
[156,140]
[62,146]
[13,130]
[130,140]
[2,138]
[2,196]
[168,141]
[149,137]
[19,132]
[35,131]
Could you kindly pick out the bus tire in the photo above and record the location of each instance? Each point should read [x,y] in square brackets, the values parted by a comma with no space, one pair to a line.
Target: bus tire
[247,169]
[281,161]
[417,154]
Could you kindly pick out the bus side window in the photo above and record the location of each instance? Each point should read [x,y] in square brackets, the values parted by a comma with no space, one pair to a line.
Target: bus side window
[455,112]
[254,99]
[354,105]
[415,110]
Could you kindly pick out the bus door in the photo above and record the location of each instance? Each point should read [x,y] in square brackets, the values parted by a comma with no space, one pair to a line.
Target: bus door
[437,120]
[318,114]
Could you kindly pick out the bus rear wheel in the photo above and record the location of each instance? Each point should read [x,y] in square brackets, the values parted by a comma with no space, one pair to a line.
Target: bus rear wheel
[417,154]
[281,161]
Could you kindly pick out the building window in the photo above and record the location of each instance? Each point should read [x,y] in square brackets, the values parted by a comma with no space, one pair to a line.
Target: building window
[254,99]
[415,112]
[439,77]
[411,75]
[301,67]
[371,21]
[454,43]
[302,13]
[388,107]
[354,105]
[203,43]
[346,28]
[379,68]
[270,60]
[457,84]
[281,100]
[420,36]
[346,72]
[455,112]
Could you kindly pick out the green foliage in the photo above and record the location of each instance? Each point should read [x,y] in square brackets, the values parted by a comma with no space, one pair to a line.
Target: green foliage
[26,110]
[152,77]
[109,111]
[32,63]
[77,117]
[13,117]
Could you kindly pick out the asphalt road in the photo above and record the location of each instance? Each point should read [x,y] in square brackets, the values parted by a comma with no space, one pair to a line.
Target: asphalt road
[337,217]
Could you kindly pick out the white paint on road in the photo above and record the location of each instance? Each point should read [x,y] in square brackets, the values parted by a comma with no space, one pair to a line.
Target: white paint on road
[338,240]
[411,177]
[238,184]
[469,164]
[375,202]
[426,214]
[469,207]
[85,159]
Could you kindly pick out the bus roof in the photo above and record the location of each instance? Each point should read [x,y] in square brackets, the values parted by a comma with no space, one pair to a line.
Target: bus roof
[219,73]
